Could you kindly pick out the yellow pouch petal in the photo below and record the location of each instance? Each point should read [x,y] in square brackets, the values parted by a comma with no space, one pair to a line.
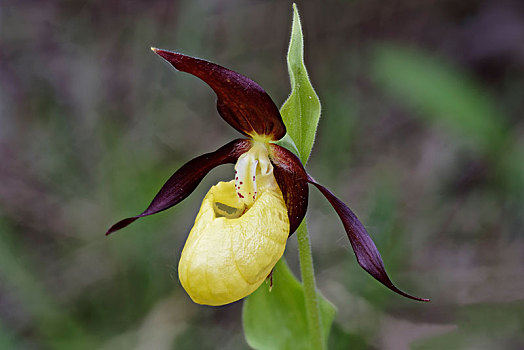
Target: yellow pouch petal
[231,249]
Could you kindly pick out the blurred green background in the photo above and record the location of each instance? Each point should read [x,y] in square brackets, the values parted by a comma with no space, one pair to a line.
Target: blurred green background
[422,135]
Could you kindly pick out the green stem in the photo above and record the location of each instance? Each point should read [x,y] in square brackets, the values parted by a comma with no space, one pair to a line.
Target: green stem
[310,293]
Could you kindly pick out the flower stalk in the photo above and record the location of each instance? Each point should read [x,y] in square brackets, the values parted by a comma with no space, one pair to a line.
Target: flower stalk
[307,272]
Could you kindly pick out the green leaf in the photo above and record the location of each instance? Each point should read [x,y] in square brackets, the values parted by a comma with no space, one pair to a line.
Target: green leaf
[288,143]
[277,319]
[440,93]
[301,111]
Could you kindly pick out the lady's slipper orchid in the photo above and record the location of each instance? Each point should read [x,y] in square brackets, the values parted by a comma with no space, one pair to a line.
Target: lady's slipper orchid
[242,227]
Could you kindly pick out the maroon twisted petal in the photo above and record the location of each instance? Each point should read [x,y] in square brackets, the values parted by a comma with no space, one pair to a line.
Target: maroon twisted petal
[186,179]
[292,179]
[241,102]
[367,254]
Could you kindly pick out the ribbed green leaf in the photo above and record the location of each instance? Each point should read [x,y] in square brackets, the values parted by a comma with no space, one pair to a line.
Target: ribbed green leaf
[277,319]
[301,111]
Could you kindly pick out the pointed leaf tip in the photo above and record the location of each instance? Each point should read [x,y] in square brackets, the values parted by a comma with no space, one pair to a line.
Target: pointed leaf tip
[301,110]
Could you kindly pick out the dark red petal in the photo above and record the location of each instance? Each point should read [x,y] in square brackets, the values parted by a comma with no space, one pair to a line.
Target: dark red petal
[365,250]
[186,179]
[241,102]
[292,180]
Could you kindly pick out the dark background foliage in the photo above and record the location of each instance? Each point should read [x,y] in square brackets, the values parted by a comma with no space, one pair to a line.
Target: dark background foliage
[421,134]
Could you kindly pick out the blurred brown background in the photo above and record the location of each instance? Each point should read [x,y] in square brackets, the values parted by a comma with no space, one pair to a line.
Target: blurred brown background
[422,135]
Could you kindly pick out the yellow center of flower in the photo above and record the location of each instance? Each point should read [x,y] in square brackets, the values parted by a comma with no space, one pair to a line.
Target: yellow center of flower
[239,233]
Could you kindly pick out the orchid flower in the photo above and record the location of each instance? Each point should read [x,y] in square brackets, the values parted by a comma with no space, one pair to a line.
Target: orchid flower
[243,225]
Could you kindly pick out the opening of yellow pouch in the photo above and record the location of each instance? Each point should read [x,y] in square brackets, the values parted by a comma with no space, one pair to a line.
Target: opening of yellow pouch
[226,211]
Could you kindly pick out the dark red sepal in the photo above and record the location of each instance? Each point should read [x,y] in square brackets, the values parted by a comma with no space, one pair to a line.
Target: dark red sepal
[292,180]
[241,102]
[365,250]
[186,179]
